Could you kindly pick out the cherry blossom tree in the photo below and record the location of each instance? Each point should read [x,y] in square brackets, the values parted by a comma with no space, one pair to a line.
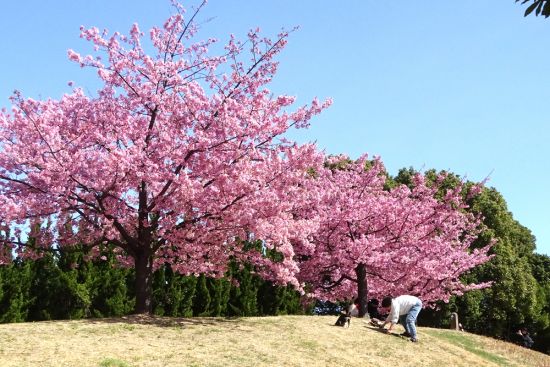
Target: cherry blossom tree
[387,241]
[179,157]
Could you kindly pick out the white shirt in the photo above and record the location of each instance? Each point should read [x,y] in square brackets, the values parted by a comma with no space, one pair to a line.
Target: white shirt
[401,306]
[353,310]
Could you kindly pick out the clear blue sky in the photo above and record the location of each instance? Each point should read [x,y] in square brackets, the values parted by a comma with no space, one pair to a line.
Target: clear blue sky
[457,85]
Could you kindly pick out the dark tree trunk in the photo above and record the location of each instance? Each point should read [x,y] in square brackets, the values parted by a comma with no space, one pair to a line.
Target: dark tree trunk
[362,288]
[144,283]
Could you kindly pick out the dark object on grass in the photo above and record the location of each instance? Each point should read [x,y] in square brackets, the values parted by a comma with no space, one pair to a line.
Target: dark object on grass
[344,320]
[376,322]
[524,339]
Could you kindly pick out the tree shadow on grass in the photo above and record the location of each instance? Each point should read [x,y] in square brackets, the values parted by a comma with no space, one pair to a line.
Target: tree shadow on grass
[382,331]
[163,321]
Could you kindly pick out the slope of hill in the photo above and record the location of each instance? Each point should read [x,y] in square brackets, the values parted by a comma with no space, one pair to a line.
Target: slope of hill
[268,341]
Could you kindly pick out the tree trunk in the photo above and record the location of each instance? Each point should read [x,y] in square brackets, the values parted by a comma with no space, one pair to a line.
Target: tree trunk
[362,288]
[144,283]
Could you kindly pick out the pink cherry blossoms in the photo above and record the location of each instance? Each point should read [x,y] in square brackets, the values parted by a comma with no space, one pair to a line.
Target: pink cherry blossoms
[177,159]
[375,242]
[180,158]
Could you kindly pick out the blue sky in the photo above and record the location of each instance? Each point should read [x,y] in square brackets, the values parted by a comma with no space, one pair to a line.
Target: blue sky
[457,85]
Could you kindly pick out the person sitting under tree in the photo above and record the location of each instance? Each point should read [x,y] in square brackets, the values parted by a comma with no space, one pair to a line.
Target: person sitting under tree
[353,308]
[404,309]
[374,312]
[524,338]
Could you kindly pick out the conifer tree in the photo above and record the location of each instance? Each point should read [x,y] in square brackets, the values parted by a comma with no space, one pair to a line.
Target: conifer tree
[201,302]
[17,279]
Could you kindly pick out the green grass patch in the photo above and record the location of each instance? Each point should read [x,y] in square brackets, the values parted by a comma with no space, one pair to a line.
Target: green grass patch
[113,362]
[462,340]
[310,345]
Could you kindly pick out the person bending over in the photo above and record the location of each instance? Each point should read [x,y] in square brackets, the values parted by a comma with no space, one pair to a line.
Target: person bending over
[404,309]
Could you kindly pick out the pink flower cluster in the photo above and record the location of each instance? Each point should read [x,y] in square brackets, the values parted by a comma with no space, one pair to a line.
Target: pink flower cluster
[180,158]
[408,241]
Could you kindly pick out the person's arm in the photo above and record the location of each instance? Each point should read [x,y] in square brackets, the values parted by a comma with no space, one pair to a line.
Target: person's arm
[388,330]
[392,317]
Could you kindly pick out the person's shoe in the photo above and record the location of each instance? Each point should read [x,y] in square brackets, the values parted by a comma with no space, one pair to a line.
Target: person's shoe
[414,340]
[405,334]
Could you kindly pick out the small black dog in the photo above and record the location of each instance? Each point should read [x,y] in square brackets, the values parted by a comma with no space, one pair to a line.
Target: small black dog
[343,320]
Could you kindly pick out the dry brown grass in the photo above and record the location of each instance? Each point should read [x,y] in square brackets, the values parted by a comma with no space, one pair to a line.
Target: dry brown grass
[269,341]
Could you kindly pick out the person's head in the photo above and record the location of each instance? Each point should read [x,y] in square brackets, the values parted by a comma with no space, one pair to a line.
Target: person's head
[386,302]
[374,302]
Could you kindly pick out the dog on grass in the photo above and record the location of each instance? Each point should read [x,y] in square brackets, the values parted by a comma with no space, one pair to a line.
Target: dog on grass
[343,320]
[375,322]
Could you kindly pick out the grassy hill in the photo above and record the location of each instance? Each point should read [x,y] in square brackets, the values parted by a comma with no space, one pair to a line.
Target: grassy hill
[269,341]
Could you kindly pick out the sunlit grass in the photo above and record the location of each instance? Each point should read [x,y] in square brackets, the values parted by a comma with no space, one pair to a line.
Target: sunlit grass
[143,341]
[466,342]
[112,362]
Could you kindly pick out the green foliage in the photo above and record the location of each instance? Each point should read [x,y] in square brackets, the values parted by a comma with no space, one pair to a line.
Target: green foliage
[471,308]
[201,303]
[112,293]
[173,293]
[161,298]
[16,282]
[243,297]
[109,285]
[66,284]
[219,296]
[187,287]
[277,300]
[512,300]
[540,265]
[55,294]
[340,164]
[404,177]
